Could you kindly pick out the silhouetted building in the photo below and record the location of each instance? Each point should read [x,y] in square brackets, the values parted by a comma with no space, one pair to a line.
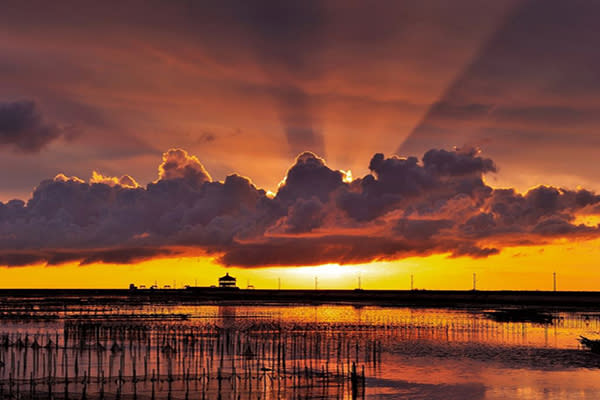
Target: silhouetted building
[227,281]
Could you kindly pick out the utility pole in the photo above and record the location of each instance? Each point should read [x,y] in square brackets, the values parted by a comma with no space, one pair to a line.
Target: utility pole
[359,287]
[554,280]
[278,283]
[474,281]
[412,282]
[316,283]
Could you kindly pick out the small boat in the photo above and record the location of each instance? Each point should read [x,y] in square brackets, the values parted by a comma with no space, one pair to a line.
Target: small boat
[592,344]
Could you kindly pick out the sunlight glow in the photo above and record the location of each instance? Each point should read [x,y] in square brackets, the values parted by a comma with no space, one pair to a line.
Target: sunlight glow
[347,176]
[326,271]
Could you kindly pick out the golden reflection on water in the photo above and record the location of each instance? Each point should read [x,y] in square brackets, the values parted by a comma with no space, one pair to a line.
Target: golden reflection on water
[306,351]
[435,324]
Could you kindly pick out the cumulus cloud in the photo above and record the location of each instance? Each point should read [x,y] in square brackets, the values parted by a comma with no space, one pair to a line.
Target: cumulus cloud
[439,204]
[309,177]
[178,164]
[23,127]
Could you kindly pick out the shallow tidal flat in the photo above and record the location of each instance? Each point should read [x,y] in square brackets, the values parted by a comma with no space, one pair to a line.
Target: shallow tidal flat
[291,352]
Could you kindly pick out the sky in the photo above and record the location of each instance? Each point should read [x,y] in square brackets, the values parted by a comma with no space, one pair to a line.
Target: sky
[146,141]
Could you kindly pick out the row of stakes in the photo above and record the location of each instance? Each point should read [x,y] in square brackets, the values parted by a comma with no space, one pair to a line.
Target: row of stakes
[197,362]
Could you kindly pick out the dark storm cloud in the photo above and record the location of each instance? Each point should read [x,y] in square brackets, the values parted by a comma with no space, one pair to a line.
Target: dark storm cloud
[84,257]
[421,229]
[305,215]
[309,177]
[341,249]
[23,127]
[405,207]
[406,183]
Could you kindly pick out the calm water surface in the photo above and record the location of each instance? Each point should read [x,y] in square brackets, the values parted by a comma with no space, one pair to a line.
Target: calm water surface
[291,352]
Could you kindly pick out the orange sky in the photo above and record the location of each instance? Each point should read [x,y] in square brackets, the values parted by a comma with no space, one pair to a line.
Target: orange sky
[105,90]
[522,268]
[126,85]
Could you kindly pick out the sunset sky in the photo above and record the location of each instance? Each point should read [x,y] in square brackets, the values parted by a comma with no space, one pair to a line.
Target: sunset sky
[146,141]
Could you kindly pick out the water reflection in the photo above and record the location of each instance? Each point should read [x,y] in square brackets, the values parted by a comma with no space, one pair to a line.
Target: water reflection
[291,352]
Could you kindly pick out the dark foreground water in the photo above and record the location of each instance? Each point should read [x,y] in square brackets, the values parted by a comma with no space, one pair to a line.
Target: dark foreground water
[293,352]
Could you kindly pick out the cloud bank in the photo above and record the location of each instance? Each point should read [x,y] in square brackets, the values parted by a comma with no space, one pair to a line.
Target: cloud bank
[405,207]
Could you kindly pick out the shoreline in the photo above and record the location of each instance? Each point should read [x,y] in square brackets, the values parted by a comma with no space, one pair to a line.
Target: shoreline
[359,297]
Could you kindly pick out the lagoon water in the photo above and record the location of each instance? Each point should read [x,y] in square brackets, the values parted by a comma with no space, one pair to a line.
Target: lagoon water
[291,352]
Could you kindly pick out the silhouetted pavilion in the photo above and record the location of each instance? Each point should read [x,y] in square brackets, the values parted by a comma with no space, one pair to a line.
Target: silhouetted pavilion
[227,281]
